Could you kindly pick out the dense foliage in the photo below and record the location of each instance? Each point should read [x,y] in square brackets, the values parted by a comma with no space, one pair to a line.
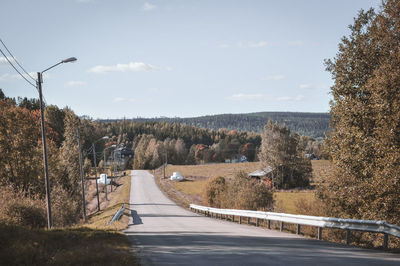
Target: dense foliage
[155,143]
[305,124]
[365,111]
[242,193]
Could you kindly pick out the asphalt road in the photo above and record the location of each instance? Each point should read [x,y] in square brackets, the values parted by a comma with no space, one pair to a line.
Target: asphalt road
[166,234]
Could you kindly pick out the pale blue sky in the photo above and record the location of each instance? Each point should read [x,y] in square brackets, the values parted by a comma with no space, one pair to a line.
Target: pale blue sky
[176,58]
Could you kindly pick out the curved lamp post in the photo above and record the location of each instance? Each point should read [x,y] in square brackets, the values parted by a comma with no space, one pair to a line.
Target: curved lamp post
[46,169]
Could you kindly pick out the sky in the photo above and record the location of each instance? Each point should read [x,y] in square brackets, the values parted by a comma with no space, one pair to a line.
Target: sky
[176,58]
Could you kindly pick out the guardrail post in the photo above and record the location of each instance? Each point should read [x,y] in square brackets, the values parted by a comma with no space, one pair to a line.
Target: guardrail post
[269,224]
[257,222]
[319,233]
[240,219]
[298,230]
[233,218]
[281,226]
[347,236]
[385,240]
[248,220]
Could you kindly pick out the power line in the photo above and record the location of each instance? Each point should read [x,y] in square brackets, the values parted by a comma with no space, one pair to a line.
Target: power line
[8,60]
[16,60]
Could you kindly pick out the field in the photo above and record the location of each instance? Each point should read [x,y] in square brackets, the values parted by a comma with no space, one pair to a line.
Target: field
[196,177]
[93,243]
[227,170]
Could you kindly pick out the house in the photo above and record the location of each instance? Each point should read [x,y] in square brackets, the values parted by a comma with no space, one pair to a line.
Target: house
[265,176]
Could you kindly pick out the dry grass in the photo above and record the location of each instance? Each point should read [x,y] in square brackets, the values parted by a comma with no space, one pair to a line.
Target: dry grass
[287,201]
[66,246]
[119,196]
[227,170]
[190,187]
[94,243]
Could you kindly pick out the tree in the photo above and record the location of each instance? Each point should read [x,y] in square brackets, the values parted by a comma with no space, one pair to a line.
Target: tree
[282,151]
[30,104]
[55,119]
[20,149]
[365,118]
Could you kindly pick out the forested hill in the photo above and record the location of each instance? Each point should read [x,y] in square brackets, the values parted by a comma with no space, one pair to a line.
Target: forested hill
[308,124]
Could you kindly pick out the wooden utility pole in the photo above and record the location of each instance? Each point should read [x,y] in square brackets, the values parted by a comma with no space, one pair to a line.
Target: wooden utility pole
[82,174]
[166,161]
[95,174]
[46,168]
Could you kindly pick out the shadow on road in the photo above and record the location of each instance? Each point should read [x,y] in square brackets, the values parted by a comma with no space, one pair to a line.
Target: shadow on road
[202,248]
[136,217]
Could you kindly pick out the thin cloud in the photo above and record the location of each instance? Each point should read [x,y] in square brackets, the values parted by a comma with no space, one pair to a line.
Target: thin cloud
[243,96]
[289,98]
[168,68]
[85,1]
[3,61]
[148,7]
[224,46]
[130,67]
[312,86]
[7,76]
[75,83]
[123,99]
[154,89]
[259,44]
[296,43]
[273,77]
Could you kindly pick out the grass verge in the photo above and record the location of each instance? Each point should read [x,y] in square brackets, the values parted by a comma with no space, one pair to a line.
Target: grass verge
[93,243]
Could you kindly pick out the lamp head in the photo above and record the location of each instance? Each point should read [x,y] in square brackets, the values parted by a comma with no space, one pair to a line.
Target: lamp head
[68,60]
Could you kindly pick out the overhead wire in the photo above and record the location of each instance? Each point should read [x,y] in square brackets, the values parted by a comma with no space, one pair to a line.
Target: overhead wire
[23,69]
[15,60]
[8,60]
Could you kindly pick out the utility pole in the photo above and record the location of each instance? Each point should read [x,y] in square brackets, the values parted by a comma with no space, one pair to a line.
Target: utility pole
[46,168]
[166,161]
[95,174]
[82,174]
[105,178]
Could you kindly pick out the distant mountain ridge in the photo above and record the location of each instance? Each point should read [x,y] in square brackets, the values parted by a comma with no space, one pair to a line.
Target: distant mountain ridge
[308,124]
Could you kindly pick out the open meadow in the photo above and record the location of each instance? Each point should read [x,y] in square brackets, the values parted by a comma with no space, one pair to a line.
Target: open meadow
[196,177]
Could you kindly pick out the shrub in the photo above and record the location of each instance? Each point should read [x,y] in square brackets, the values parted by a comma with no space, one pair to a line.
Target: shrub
[214,192]
[66,208]
[240,193]
[20,210]
[249,194]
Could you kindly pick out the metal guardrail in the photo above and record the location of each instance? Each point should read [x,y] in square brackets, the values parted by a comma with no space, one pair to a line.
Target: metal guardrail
[320,222]
[118,214]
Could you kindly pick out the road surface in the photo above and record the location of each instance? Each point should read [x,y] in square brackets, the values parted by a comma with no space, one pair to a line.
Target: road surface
[166,234]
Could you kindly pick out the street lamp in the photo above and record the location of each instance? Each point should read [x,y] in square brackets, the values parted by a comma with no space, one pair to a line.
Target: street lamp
[95,169]
[46,170]
[104,164]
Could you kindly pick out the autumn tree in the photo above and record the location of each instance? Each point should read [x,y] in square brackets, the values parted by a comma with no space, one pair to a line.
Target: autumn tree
[281,151]
[365,118]
[20,149]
